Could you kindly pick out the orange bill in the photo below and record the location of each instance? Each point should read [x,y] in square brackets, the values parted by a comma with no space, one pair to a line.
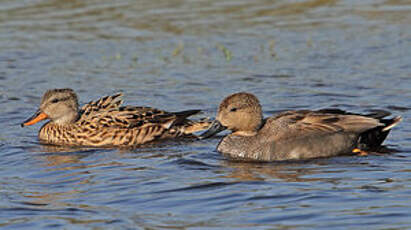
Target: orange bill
[38,116]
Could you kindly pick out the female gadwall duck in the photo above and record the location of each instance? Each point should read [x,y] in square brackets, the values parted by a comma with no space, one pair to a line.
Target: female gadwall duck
[294,135]
[105,122]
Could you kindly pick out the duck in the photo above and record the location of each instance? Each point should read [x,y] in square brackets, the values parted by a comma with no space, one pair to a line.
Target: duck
[106,122]
[297,134]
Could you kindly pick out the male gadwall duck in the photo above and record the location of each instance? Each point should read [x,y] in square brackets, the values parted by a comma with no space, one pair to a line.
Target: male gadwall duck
[105,122]
[294,135]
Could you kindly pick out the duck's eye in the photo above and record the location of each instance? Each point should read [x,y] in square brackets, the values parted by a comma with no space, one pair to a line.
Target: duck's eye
[55,100]
[233,109]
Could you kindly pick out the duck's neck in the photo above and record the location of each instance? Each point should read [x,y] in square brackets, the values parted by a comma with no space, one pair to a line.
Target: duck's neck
[250,133]
[67,119]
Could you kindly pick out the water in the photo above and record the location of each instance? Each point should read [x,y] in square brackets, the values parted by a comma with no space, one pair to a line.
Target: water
[178,55]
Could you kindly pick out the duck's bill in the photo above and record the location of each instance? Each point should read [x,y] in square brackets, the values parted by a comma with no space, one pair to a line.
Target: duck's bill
[38,116]
[214,128]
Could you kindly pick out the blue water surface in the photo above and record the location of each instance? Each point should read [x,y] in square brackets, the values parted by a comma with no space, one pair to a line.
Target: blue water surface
[181,54]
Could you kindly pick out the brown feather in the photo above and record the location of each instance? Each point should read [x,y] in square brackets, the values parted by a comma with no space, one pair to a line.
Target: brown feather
[315,123]
[104,122]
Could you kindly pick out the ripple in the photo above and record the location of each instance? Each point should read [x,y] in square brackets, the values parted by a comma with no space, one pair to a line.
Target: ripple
[398,108]
[202,187]
[34,211]
[193,164]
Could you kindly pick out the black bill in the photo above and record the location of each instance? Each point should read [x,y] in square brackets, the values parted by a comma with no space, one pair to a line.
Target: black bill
[215,128]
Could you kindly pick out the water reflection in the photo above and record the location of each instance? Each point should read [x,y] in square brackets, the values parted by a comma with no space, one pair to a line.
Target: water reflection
[180,54]
[53,155]
[292,172]
[51,199]
[63,177]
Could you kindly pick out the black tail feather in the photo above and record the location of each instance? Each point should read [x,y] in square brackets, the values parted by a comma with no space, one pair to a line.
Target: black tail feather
[373,138]
[181,116]
[375,113]
[187,113]
[378,114]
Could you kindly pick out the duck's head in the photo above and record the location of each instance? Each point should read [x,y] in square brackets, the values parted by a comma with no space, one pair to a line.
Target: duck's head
[240,112]
[58,105]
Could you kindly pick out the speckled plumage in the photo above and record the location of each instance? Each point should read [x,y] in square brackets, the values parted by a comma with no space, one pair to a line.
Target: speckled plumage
[105,122]
[294,135]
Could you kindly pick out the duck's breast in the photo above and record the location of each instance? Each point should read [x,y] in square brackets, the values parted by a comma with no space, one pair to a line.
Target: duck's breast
[246,148]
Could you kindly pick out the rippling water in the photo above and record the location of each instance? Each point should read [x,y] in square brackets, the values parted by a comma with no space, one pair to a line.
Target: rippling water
[180,54]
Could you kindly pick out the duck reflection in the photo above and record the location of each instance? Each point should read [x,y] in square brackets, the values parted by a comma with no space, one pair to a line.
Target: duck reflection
[290,171]
[73,172]
[60,155]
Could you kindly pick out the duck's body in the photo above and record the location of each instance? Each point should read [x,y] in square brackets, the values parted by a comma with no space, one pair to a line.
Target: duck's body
[105,122]
[295,135]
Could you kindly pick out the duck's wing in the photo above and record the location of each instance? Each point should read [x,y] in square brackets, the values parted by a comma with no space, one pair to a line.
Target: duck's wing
[302,124]
[136,117]
[103,104]
[130,126]
[108,112]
